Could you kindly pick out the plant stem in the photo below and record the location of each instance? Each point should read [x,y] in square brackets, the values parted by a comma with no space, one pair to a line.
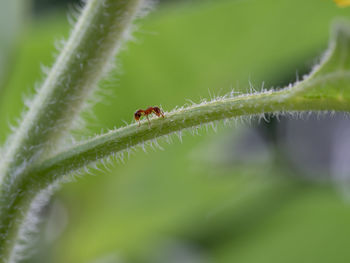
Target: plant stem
[122,139]
[85,58]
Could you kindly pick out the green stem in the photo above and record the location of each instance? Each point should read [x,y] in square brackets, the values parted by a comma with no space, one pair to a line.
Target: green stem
[86,57]
[122,139]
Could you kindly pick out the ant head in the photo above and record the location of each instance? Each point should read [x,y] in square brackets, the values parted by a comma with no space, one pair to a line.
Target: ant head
[137,115]
[157,111]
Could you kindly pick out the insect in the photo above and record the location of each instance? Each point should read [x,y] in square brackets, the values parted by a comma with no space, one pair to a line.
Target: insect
[139,113]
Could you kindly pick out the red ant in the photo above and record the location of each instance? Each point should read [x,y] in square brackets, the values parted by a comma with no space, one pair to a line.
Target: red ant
[157,111]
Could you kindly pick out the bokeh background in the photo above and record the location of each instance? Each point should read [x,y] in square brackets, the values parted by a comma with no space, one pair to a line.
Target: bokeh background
[253,191]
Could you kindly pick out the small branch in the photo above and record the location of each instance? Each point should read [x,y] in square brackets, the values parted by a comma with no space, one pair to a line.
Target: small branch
[122,139]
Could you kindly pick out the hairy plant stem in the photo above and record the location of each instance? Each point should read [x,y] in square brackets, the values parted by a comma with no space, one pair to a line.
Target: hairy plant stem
[122,139]
[85,58]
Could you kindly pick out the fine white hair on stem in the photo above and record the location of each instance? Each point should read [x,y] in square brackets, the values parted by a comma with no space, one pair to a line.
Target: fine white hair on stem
[25,247]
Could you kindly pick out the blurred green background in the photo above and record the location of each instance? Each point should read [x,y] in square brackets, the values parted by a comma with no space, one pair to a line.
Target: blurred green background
[257,192]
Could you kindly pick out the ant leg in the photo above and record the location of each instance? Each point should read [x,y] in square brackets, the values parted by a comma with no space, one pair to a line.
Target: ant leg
[139,123]
[149,122]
